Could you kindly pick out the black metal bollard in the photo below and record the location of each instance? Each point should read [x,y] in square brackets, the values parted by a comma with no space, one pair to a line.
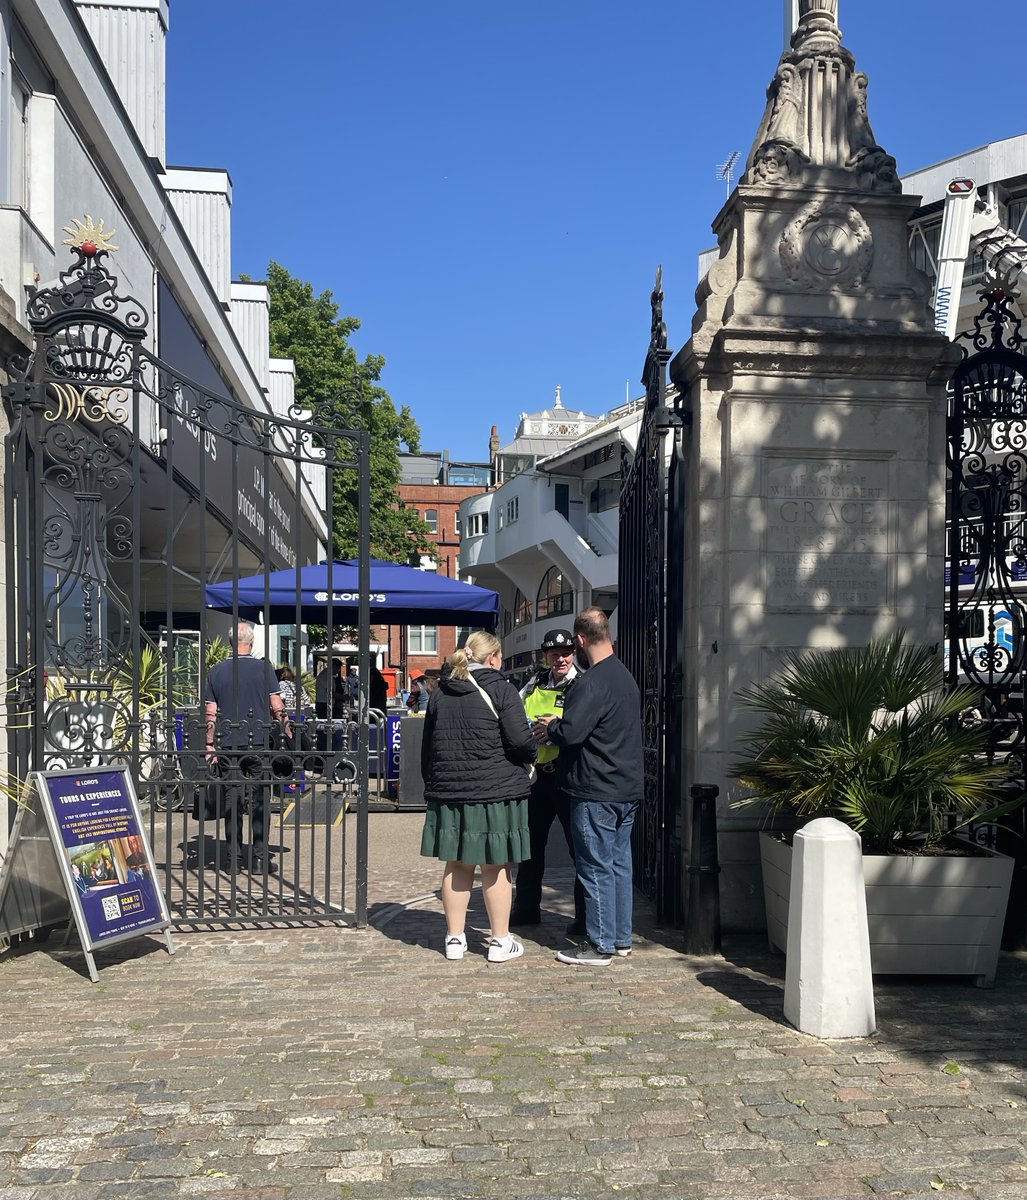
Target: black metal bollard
[702,916]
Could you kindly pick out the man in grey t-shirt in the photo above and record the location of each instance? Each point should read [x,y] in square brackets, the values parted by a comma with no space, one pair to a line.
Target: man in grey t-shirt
[242,700]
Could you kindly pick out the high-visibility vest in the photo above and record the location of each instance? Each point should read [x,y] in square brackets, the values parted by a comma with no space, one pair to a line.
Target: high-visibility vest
[546,702]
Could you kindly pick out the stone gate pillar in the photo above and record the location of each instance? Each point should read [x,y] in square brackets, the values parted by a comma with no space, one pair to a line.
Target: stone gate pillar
[817,387]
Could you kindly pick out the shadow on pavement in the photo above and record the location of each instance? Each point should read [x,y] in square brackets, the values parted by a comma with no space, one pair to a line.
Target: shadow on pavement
[758,996]
[50,942]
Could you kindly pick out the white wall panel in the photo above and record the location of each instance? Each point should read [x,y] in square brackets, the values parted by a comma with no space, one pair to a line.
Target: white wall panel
[250,318]
[203,201]
[130,38]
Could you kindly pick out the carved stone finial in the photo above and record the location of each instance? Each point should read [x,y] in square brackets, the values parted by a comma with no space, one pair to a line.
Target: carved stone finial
[815,130]
[812,8]
[818,19]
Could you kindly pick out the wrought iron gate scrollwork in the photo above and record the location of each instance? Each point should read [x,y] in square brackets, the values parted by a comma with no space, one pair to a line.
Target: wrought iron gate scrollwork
[650,612]
[987,553]
[129,487]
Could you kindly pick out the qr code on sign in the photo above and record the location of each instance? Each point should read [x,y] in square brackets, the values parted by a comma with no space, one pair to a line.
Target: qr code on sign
[111,908]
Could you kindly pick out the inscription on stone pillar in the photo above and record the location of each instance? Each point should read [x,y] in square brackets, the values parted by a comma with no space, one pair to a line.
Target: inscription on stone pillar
[827,534]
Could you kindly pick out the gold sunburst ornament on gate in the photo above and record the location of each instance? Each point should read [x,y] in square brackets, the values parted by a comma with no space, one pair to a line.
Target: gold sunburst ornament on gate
[88,238]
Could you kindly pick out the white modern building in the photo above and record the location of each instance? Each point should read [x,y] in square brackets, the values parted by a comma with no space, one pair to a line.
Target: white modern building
[545,537]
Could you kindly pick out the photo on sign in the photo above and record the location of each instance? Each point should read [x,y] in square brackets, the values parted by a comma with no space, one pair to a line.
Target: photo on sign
[132,854]
[94,865]
[98,865]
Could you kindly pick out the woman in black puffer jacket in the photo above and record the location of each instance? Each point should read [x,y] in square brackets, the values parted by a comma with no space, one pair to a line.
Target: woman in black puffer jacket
[474,757]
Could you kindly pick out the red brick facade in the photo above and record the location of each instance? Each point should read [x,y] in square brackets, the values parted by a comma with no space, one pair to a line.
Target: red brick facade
[405,644]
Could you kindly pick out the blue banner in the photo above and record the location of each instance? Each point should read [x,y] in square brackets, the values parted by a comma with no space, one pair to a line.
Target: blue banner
[108,868]
[392,738]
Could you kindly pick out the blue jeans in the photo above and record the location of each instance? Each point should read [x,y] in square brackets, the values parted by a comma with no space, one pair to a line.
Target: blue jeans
[602,854]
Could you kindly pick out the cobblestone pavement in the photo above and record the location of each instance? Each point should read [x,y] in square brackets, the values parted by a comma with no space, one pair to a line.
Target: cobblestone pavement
[322,1062]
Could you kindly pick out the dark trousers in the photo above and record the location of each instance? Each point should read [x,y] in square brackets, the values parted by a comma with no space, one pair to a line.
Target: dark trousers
[242,783]
[546,803]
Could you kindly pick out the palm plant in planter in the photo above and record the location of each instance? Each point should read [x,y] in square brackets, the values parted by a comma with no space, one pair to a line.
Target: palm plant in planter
[872,737]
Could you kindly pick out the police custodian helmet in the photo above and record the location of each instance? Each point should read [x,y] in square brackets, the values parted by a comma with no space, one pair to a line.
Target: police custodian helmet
[558,639]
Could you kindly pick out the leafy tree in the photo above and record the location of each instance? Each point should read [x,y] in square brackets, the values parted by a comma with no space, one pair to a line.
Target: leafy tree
[309,330]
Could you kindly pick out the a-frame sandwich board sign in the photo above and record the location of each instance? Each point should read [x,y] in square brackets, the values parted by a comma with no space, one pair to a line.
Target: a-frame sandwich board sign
[98,857]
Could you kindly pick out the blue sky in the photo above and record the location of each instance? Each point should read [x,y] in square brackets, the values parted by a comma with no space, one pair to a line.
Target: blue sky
[490,187]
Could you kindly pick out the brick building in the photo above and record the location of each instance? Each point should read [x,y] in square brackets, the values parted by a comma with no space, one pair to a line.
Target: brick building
[434,486]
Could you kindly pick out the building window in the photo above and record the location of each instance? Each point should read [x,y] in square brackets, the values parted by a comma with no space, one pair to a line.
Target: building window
[477,524]
[555,597]
[431,519]
[1016,215]
[456,524]
[513,508]
[521,609]
[463,632]
[596,457]
[604,494]
[923,245]
[468,476]
[20,97]
[422,639]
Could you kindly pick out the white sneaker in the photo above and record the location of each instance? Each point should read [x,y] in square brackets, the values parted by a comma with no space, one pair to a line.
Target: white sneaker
[622,951]
[504,952]
[456,945]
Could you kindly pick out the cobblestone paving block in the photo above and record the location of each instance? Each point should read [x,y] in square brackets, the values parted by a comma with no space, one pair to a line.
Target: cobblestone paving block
[360,1065]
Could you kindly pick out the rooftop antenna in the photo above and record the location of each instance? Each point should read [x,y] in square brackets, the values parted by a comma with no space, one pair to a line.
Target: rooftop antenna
[726,170]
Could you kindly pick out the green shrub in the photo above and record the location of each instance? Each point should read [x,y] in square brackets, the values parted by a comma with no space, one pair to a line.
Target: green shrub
[873,737]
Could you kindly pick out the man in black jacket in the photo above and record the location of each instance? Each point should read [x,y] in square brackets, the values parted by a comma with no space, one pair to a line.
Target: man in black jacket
[600,740]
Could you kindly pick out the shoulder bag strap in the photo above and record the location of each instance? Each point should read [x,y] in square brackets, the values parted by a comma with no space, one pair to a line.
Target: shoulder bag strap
[484,695]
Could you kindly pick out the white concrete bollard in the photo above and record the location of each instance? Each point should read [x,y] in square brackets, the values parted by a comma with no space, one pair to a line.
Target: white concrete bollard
[829,990]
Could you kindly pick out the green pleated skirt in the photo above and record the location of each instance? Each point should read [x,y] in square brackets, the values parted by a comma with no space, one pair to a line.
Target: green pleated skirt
[495,832]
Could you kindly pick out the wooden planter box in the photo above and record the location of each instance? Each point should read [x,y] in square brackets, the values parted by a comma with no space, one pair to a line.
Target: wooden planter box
[927,916]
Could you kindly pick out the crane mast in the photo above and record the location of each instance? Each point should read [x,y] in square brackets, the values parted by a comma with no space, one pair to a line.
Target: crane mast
[969,222]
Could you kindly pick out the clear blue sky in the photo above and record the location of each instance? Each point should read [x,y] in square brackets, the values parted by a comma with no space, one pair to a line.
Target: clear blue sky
[490,187]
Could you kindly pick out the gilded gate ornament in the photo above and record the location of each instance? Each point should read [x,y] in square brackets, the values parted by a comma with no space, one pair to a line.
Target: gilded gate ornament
[65,402]
[88,237]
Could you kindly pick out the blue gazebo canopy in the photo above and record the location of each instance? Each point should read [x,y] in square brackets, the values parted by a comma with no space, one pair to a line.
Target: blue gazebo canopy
[399,595]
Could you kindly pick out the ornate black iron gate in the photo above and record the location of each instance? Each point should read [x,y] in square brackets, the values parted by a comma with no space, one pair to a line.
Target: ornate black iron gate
[987,555]
[130,488]
[650,629]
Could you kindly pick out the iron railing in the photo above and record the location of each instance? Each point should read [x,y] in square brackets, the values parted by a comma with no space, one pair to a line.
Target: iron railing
[131,486]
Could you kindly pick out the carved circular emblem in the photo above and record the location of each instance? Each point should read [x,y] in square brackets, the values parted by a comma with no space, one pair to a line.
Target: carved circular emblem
[827,246]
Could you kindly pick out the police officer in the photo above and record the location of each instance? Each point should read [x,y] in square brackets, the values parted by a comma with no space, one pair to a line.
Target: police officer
[544,695]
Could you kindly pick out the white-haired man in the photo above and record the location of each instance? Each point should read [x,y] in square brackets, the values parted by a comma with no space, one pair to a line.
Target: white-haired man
[242,697]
